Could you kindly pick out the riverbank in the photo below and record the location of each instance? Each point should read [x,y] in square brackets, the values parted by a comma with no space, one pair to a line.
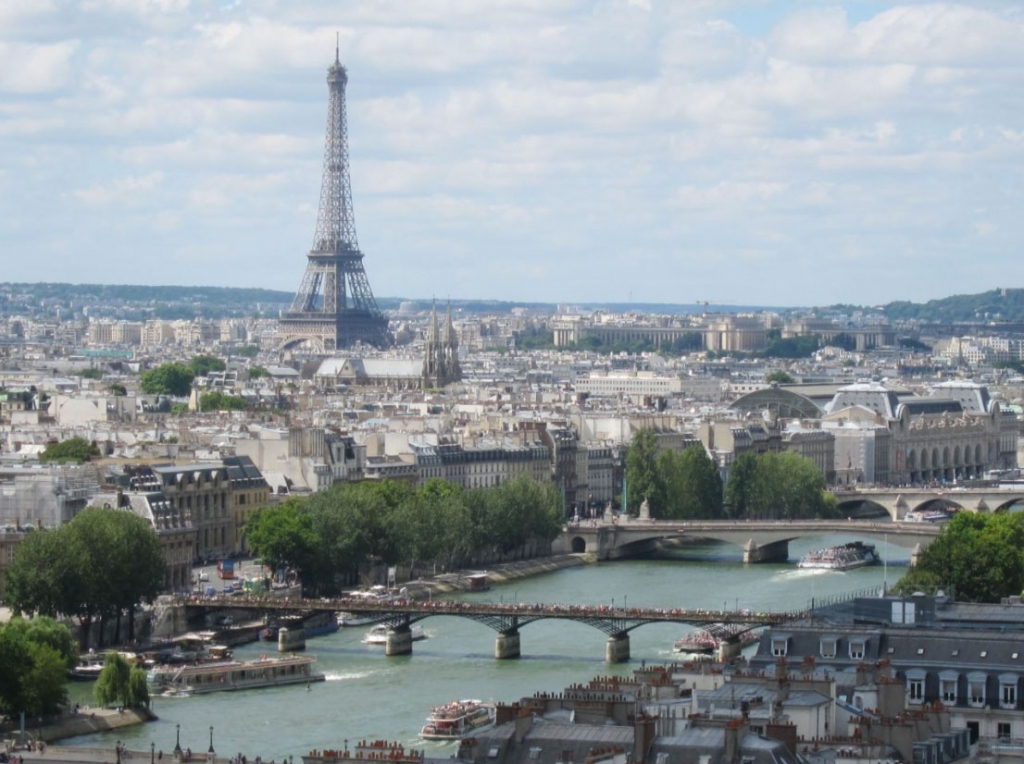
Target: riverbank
[429,588]
[85,722]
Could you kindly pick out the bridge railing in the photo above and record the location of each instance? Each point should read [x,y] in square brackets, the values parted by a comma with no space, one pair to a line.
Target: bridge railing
[841,598]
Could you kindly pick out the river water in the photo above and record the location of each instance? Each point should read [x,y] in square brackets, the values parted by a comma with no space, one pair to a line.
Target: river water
[370,696]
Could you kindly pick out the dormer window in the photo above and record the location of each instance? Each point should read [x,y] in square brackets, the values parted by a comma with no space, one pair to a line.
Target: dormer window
[780,645]
[828,647]
[857,648]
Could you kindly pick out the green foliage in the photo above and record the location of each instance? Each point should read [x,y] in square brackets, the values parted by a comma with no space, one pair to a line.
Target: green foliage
[168,379]
[535,338]
[333,532]
[258,372]
[70,450]
[845,341]
[1017,366]
[179,408]
[247,351]
[91,373]
[911,344]
[201,365]
[112,686]
[218,401]
[34,660]
[779,377]
[643,479]
[1004,304]
[117,388]
[979,556]
[693,485]
[777,486]
[101,564]
[791,347]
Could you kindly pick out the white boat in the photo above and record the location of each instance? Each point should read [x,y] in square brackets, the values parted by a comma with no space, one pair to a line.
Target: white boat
[375,595]
[378,635]
[856,554]
[346,619]
[233,675]
[458,719]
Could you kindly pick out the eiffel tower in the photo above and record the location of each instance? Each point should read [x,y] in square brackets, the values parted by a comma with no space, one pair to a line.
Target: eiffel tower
[334,307]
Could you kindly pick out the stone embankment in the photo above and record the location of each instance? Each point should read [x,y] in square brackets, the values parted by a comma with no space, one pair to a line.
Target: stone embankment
[499,574]
[85,722]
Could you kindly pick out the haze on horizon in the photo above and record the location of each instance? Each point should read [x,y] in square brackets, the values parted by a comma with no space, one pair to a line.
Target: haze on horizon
[737,151]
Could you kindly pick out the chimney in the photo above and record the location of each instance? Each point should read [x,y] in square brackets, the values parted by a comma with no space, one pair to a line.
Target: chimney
[643,736]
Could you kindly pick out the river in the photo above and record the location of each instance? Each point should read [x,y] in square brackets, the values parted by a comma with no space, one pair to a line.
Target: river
[370,696]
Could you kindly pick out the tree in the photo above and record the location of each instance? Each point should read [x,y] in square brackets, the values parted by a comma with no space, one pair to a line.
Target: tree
[168,379]
[201,365]
[112,686]
[979,556]
[116,388]
[92,373]
[643,480]
[34,660]
[258,372]
[70,450]
[693,485]
[740,484]
[218,401]
[779,377]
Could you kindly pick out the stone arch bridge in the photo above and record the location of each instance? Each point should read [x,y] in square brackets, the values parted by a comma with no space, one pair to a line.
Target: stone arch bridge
[898,502]
[761,540]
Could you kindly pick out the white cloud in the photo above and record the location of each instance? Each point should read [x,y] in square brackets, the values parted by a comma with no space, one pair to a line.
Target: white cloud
[590,142]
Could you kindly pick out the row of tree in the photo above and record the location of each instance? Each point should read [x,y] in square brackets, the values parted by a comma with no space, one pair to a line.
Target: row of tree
[328,536]
[687,485]
[99,566]
[176,378]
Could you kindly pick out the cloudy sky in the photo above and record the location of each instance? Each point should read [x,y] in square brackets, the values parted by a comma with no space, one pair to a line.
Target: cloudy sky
[736,151]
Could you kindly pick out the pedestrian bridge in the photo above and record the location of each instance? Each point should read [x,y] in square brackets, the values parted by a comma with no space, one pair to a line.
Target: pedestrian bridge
[897,502]
[617,621]
[761,540]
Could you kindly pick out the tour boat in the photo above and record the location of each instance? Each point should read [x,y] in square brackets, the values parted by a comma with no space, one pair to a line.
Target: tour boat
[378,635]
[708,640]
[375,595]
[856,554]
[90,665]
[458,719]
[233,675]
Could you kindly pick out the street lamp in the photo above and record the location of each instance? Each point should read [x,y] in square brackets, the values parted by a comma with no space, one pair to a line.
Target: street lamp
[117,749]
[152,752]
[177,740]
[211,738]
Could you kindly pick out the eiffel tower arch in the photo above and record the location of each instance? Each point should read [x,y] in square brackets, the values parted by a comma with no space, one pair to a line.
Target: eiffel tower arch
[334,306]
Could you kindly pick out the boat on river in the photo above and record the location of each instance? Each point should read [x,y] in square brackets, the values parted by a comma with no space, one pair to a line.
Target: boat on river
[378,635]
[233,675]
[458,719]
[375,595]
[706,641]
[855,554]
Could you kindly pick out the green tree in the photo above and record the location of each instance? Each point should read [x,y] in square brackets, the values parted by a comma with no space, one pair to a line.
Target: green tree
[168,379]
[979,556]
[92,373]
[786,486]
[201,365]
[70,450]
[779,377]
[117,388]
[740,484]
[693,485]
[218,401]
[258,372]
[643,480]
[138,688]
[113,685]
[282,536]
[34,660]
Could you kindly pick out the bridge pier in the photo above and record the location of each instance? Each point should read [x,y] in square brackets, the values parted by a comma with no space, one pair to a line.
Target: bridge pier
[399,641]
[776,551]
[728,650]
[507,645]
[617,649]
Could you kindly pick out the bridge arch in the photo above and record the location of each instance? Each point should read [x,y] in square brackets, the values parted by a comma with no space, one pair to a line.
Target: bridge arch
[578,545]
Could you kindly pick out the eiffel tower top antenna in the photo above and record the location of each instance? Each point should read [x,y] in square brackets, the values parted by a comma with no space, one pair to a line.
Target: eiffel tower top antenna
[337,48]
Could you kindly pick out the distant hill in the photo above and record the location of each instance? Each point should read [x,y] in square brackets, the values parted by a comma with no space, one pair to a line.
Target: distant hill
[995,305]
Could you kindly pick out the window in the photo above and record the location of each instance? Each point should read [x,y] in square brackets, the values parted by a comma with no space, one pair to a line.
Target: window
[828,647]
[1008,691]
[947,689]
[915,688]
[535,752]
[779,646]
[1003,730]
[857,648]
[976,690]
